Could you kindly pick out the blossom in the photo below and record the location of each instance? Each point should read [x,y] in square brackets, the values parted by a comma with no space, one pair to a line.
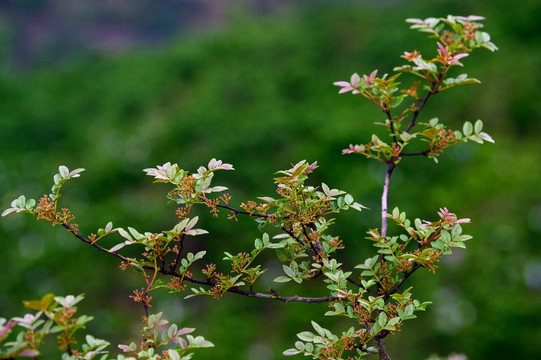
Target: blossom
[28,319]
[451,218]
[163,172]
[352,85]
[446,57]
[353,149]
[218,164]
[311,167]
[370,79]
[411,55]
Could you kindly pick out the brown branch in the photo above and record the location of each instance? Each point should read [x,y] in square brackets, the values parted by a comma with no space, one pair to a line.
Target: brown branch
[407,274]
[380,345]
[174,265]
[235,290]
[433,90]
[100,248]
[242,212]
[419,153]
[256,295]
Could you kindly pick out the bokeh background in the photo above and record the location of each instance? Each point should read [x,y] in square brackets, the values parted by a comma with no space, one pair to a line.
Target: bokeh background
[119,86]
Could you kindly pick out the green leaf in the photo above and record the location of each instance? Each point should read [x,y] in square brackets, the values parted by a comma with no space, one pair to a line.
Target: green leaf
[64,171]
[382,319]
[289,272]
[20,202]
[173,354]
[137,235]
[478,126]
[467,129]
[318,328]
[125,234]
[306,336]
[258,243]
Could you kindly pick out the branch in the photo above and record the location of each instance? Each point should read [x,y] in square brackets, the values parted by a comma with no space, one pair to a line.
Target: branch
[419,153]
[406,276]
[257,295]
[174,265]
[433,90]
[235,290]
[100,248]
[380,344]
[390,167]
[356,283]
[242,212]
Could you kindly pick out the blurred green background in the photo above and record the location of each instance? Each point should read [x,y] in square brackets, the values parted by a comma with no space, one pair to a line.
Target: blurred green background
[121,86]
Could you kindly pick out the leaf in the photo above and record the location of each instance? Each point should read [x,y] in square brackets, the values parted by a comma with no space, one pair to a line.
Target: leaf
[125,234]
[30,204]
[180,226]
[195,232]
[137,235]
[64,171]
[199,255]
[192,223]
[20,202]
[382,319]
[40,305]
[173,354]
[218,188]
[486,137]
[325,189]
[258,244]
[9,211]
[282,279]
[290,352]
[467,129]
[267,199]
[76,172]
[289,271]
[478,126]
[117,247]
[306,336]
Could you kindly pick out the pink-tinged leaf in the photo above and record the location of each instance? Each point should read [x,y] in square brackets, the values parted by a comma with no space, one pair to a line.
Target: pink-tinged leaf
[354,80]
[117,247]
[414,21]
[195,232]
[192,223]
[29,353]
[341,83]
[185,331]
[290,352]
[472,18]
[218,188]
[345,90]
[9,211]
[486,137]
[124,348]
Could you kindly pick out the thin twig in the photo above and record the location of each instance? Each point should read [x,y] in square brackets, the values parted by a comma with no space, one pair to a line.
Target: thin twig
[242,212]
[235,290]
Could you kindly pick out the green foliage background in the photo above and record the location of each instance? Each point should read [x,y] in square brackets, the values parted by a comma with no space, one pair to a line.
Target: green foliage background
[258,93]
